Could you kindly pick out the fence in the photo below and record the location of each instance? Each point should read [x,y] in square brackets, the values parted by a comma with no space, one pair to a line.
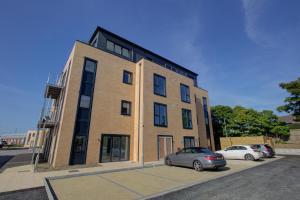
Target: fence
[229,141]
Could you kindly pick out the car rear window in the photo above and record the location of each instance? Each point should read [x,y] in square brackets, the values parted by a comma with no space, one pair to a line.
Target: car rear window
[203,150]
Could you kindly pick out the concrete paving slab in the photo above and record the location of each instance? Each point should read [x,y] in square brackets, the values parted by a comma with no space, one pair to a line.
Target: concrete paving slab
[90,187]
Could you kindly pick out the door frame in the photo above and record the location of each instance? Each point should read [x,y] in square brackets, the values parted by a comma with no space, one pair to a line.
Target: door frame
[157,143]
[116,135]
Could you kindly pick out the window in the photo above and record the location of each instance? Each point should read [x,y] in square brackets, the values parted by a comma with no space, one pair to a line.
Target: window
[185,93]
[118,49]
[79,144]
[85,101]
[189,142]
[109,45]
[127,77]
[206,117]
[187,119]
[125,108]
[160,115]
[159,85]
[125,52]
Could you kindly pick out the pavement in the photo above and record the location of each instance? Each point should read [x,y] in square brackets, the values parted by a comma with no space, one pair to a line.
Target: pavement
[278,180]
[149,182]
[23,177]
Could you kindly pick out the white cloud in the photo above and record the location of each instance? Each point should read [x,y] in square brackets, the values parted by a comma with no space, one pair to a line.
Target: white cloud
[254,11]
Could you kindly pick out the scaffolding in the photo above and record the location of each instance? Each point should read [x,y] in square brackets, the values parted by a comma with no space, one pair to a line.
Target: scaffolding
[47,121]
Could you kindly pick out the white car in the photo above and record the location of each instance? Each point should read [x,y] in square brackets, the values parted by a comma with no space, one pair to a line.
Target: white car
[247,152]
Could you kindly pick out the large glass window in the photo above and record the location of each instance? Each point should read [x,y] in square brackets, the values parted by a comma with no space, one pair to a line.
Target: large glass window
[159,85]
[185,93]
[127,77]
[82,123]
[160,115]
[187,119]
[114,148]
[125,107]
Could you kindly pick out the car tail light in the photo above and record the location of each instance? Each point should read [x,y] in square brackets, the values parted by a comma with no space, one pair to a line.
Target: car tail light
[210,157]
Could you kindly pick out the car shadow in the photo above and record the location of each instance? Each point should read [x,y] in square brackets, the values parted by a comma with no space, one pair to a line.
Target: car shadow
[220,169]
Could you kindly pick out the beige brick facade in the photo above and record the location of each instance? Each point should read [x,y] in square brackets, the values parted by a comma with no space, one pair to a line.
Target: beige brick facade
[109,90]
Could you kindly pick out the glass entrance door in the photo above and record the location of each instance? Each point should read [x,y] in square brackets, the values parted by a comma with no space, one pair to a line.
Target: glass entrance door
[165,146]
[114,148]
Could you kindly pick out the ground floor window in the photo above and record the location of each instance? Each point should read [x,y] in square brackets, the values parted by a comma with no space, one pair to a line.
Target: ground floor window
[114,148]
[189,142]
[165,146]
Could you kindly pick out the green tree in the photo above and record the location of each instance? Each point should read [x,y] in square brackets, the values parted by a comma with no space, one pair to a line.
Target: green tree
[292,103]
[240,121]
[220,118]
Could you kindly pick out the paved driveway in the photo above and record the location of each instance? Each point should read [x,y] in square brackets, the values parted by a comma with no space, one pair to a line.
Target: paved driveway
[278,180]
[138,183]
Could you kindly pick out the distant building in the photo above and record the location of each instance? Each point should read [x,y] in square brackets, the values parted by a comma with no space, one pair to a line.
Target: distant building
[31,137]
[16,139]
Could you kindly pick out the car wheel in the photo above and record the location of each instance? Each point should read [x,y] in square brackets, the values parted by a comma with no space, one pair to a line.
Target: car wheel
[249,157]
[168,162]
[197,165]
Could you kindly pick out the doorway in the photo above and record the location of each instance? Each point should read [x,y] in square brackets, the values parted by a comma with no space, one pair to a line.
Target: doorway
[165,146]
[114,148]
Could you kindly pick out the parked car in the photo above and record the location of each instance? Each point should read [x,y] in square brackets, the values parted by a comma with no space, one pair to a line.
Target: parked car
[247,152]
[196,157]
[266,150]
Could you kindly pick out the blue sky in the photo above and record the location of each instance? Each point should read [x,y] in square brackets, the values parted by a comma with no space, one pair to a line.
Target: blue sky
[241,49]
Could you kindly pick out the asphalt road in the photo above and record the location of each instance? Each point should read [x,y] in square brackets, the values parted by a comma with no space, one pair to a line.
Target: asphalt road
[278,180]
[13,158]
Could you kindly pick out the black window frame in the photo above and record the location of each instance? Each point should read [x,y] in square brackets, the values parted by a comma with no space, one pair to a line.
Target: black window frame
[191,119]
[154,115]
[187,97]
[154,85]
[130,73]
[122,102]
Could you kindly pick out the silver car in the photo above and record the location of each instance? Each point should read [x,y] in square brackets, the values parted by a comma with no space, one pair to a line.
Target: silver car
[196,157]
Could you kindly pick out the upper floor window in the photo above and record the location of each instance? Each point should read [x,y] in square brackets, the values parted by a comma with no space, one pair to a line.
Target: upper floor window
[117,48]
[187,119]
[110,45]
[185,93]
[125,107]
[160,115]
[127,77]
[125,52]
[159,85]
